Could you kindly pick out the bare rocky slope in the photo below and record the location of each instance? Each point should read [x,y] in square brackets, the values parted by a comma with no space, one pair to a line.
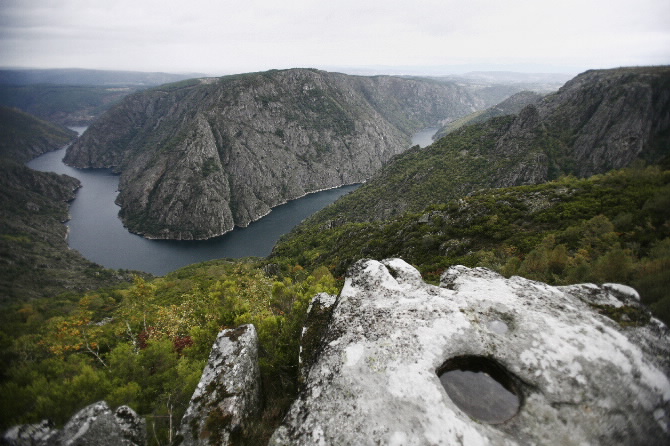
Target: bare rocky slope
[202,156]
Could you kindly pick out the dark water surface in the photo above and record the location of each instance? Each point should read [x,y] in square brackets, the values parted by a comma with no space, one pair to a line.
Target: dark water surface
[480,395]
[96,231]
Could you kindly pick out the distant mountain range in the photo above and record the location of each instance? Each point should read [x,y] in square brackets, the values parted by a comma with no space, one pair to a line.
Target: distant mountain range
[80,76]
[73,97]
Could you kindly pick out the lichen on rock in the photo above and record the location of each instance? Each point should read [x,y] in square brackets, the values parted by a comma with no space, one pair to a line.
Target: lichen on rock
[228,393]
[581,377]
[93,425]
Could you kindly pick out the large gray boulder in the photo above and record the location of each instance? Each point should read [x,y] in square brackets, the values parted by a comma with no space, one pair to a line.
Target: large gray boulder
[228,393]
[482,359]
[94,425]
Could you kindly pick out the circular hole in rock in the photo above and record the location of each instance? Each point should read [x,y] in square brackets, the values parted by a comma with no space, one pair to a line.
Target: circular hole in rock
[481,387]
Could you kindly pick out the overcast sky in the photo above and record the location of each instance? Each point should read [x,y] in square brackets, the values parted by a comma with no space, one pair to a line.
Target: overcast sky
[224,36]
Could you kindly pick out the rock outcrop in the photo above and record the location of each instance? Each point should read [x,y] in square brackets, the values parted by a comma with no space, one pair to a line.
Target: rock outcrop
[94,425]
[200,157]
[228,393]
[407,363]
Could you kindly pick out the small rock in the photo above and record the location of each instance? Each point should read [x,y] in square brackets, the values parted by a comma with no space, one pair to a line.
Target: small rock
[29,434]
[622,291]
[94,425]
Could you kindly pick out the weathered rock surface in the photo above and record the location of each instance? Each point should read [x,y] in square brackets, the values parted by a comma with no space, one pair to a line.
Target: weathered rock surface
[200,157]
[311,340]
[228,393]
[580,377]
[94,425]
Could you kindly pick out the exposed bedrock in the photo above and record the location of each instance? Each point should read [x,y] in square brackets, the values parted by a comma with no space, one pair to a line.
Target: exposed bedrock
[480,359]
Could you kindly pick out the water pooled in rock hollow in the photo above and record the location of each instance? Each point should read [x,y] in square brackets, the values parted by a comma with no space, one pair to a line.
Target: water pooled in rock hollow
[480,395]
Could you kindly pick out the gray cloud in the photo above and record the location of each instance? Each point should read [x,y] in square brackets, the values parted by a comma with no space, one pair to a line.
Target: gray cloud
[221,36]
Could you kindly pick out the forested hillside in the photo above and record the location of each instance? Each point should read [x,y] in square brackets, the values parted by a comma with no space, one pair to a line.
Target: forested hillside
[599,121]
[608,228]
[35,260]
[25,136]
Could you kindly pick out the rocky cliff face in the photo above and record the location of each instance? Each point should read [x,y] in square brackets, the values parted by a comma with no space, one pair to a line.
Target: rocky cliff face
[480,360]
[601,120]
[200,157]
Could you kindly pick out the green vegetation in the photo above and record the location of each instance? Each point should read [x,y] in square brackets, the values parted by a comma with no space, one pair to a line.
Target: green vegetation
[65,104]
[609,228]
[25,136]
[145,345]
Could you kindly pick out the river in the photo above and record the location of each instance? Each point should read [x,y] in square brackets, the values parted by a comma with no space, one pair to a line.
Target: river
[96,231]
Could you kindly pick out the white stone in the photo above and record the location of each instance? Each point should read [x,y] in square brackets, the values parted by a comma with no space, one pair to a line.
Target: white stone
[623,290]
[582,378]
[228,393]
